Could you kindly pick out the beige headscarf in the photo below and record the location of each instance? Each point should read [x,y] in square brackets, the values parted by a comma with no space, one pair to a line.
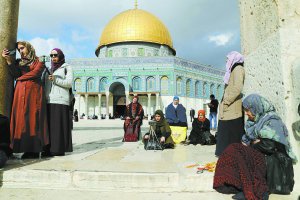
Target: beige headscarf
[30,58]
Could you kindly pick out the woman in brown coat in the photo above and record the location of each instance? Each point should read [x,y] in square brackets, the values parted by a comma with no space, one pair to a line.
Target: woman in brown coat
[28,123]
[231,120]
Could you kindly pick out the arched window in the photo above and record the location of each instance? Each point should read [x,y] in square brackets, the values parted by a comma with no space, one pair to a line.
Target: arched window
[136,83]
[90,85]
[77,85]
[179,86]
[188,88]
[164,85]
[212,89]
[219,92]
[204,90]
[150,83]
[197,89]
[103,83]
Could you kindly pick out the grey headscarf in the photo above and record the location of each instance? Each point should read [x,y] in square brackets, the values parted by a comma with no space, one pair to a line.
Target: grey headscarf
[266,124]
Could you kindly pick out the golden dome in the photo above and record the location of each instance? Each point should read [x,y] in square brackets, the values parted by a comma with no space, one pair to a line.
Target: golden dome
[135,25]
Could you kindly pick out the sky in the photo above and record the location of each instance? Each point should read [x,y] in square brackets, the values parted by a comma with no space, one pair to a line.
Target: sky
[203,31]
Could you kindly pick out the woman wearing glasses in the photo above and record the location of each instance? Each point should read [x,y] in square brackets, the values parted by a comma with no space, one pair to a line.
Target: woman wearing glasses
[57,87]
[28,123]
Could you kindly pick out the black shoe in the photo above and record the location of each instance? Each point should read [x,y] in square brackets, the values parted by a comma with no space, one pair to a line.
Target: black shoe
[30,155]
[46,154]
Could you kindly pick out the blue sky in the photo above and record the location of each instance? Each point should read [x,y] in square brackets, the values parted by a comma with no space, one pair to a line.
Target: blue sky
[203,31]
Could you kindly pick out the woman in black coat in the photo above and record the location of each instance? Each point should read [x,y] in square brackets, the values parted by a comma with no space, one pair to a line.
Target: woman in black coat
[200,133]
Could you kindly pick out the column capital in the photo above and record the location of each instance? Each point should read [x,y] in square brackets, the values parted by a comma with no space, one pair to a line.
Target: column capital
[99,95]
[149,94]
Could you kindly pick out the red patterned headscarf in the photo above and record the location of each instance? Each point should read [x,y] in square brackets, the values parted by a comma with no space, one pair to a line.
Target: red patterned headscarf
[203,113]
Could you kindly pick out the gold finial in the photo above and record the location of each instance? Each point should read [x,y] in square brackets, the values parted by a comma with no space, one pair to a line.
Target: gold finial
[135,4]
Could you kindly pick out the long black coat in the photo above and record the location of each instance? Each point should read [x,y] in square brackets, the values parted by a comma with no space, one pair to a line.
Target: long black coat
[198,130]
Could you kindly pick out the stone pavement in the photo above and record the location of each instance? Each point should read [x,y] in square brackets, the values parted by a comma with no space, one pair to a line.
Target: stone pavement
[103,167]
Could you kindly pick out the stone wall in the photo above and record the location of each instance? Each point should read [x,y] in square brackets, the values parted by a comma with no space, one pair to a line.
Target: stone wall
[270,36]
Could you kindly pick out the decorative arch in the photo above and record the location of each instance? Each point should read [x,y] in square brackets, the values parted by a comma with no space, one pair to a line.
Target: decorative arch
[212,89]
[205,89]
[188,87]
[77,85]
[164,85]
[197,89]
[219,92]
[90,86]
[103,83]
[150,83]
[179,86]
[136,83]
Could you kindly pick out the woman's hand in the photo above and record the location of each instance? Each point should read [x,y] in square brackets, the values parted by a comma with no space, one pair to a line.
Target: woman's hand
[6,56]
[51,77]
[256,141]
[162,139]
[243,143]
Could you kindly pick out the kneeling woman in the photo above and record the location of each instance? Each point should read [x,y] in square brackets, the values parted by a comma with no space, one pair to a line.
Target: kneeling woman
[162,130]
[200,133]
[263,162]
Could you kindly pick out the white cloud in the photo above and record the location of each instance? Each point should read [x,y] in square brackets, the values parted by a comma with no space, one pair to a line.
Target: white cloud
[221,39]
[44,46]
[76,37]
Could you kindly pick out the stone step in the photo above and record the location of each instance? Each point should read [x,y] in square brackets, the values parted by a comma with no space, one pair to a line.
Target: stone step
[107,181]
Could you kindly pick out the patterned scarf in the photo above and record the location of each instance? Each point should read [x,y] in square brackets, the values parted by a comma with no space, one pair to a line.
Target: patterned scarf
[266,124]
[30,58]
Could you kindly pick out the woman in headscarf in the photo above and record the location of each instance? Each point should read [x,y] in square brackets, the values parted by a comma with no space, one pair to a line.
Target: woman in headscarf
[28,123]
[231,119]
[200,133]
[58,85]
[263,162]
[161,130]
[134,114]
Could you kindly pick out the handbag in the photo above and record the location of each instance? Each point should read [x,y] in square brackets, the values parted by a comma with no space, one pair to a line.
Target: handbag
[280,172]
[153,145]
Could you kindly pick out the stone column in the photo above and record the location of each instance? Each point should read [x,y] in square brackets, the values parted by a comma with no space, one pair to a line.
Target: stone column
[127,97]
[8,34]
[148,107]
[99,103]
[86,105]
[79,97]
[157,102]
[107,105]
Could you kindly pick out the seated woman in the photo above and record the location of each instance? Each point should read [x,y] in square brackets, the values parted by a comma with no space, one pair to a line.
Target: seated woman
[262,163]
[200,133]
[162,131]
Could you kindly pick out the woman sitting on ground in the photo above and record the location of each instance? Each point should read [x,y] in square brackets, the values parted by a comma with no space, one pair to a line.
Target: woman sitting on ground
[200,133]
[161,129]
[263,162]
